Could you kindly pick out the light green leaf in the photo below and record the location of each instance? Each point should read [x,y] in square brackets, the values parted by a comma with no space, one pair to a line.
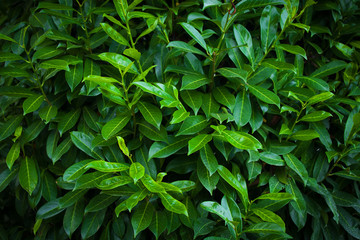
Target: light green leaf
[4,37]
[294,49]
[116,36]
[275,64]
[233,73]
[194,34]
[269,216]
[198,142]
[217,209]
[320,98]
[272,159]
[137,171]
[56,64]
[305,135]
[114,182]
[28,176]
[315,116]
[118,61]
[268,26]
[243,38]
[114,126]
[232,181]
[151,185]
[148,30]
[276,196]
[13,155]
[90,180]
[104,166]
[264,227]
[121,7]
[152,132]
[8,56]
[241,140]
[297,166]
[265,95]
[315,83]
[172,204]
[185,47]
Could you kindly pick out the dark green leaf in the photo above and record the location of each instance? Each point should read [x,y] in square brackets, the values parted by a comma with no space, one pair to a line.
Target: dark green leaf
[28,175]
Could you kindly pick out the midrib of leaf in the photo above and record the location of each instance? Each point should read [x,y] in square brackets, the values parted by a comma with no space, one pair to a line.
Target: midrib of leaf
[222,94]
[92,222]
[47,53]
[296,199]
[72,216]
[192,102]
[244,146]
[73,76]
[143,215]
[242,105]
[292,162]
[27,172]
[48,112]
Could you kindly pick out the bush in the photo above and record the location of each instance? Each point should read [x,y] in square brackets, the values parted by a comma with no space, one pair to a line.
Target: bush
[179,119]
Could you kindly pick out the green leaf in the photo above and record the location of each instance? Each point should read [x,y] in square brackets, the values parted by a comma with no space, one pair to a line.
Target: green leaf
[185,47]
[100,202]
[4,37]
[298,203]
[73,217]
[114,182]
[305,135]
[68,120]
[151,185]
[152,132]
[60,150]
[56,64]
[14,91]
[194,34]
[265,95]
[71,198]
[92,223]
[264,227]
[83,142]
[151,28]
[294,49]
[279,65]
[276,196]
[231,73]
[349,223]
[6,176]
[207,180]
[9,127]
[297,166]
[90,180]
[132,201]
[242,109]
[243,39]
[193,99]
[158,224]
[232,181]
[114,126]
[198,142]
[163,150]
[28,175]
[49,209]
[192,125]
[315,116]
[135,54]
[269,216]
[208,159]
[121,7]
[315,83]
[116,36]
[136,171]
[272,159]
[320,98]
[172,204]
[191,82]
[217,209]
[103,166]
[118,61]
[223,96]
[151,113]
[241,140]
[142,217]
[268,25]
[203,226]
[7,56]
[247,4]
[328,69]
[75,75]
[47,113]
[13,155]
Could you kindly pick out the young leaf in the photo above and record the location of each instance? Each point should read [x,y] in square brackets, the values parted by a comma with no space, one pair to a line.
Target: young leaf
[163,150]
[241,140]
[172,204]
[116,36]
[315,116]
[315,83]
[185,47]
[151,185]
[114,182]
[297,50]
[137,171]
[194,34]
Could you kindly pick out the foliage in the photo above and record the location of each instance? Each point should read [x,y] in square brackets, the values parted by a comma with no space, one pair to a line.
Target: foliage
[179,120]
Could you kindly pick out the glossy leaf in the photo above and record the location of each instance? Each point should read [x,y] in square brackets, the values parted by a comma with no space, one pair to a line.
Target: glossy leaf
[136,171]
[114,126]
[295,164]
[151,113]
[28,176]
[172,204]
[265,95]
